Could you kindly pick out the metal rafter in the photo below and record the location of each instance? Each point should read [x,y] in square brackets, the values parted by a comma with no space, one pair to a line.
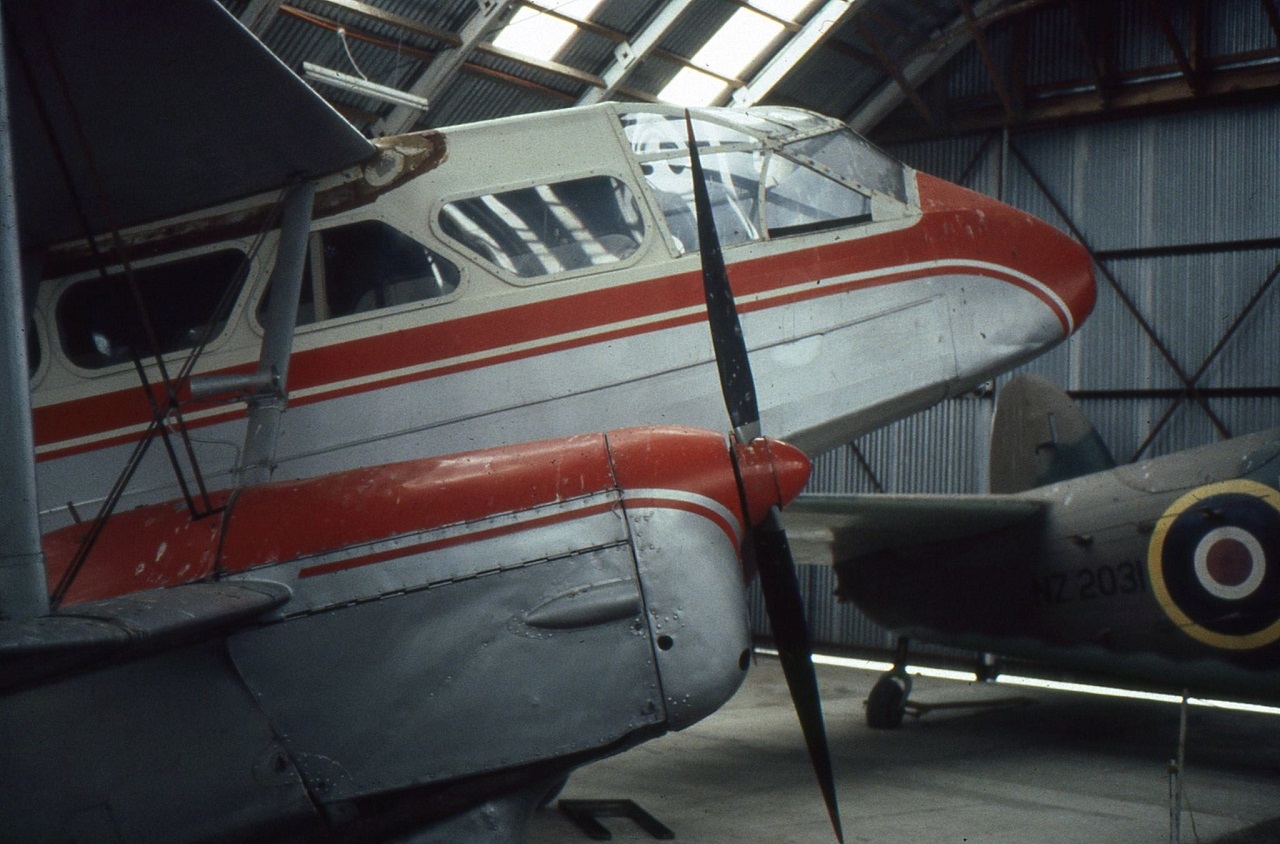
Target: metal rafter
[1096,42]
[927,61]
[446,65]
[259,14]
[979,36]
[628,54]
[1180,57]
[357,34]
[819,26]
[1156,95]
[900,78]
[365,10]
[1273,17]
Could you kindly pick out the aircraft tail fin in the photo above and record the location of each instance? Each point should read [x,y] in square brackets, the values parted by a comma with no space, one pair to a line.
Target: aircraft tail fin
[1040,437]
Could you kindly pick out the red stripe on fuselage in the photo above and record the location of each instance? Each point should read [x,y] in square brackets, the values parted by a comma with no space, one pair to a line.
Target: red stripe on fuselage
[452,541]
[942,235]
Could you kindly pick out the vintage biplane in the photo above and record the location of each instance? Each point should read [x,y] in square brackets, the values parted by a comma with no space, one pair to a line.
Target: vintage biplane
[327,621]
[1164,573]
[535,275]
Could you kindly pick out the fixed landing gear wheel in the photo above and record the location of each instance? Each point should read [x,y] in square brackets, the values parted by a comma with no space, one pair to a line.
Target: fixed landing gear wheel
[888,702]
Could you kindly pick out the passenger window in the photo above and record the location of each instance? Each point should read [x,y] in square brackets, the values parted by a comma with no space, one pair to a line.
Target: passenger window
[367,266]
[99,321]
[538,231]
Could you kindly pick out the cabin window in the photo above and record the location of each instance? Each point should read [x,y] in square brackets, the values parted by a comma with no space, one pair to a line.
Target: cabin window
[367,266]
[547,229]
[853,160]
[99,321]
[799,200]
[733,186]
[760,184]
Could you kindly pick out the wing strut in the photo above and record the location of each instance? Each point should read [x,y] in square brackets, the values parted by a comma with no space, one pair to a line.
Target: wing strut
[23,587]
[266,408]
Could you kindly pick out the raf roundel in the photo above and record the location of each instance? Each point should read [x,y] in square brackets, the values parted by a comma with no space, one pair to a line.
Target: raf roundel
[1214,564]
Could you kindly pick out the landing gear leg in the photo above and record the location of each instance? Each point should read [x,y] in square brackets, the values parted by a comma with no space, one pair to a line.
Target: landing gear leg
[887,702]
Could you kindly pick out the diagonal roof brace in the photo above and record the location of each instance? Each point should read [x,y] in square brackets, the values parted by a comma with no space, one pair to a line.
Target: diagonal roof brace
[629,54]
[953,39]
[444,66]
[819,26]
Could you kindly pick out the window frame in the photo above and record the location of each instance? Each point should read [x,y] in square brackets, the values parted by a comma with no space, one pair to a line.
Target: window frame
[55,339]
[256,298]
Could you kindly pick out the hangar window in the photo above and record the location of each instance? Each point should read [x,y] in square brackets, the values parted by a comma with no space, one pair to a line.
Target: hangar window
[547,229]
[367,266]
[99,321]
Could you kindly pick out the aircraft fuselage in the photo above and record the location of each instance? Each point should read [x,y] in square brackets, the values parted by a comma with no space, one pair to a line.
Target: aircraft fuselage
[535,277]
[1161,572]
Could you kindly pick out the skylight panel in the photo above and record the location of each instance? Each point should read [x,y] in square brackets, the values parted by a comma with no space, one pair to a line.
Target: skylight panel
[732,49]
[534,33]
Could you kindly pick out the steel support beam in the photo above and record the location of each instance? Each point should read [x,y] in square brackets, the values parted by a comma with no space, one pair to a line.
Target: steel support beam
[928,62]
[1188,381]
[628,55]
[259,14]
[905,85]
[821,24]
[988,58]
[446,64]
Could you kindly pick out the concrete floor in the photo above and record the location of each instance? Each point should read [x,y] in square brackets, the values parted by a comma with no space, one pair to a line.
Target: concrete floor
[1066,768]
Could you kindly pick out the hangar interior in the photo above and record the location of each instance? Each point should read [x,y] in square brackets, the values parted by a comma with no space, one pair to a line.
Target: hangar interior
[1146,130]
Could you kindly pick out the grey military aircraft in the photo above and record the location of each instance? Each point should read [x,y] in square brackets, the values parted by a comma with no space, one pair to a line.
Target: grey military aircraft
[1164,573]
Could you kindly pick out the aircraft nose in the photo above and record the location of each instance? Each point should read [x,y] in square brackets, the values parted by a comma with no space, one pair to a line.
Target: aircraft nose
[1022,249]
[773,473]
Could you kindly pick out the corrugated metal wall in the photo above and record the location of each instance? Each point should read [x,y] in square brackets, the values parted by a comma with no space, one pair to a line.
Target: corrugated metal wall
[1198,181]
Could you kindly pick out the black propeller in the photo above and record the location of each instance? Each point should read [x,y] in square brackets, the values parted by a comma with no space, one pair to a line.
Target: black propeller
[768,540]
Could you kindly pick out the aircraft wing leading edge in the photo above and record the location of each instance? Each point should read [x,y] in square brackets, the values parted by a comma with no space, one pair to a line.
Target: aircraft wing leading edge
[827,529]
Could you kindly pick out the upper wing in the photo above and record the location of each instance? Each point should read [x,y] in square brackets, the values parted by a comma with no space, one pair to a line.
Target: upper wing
[152,108]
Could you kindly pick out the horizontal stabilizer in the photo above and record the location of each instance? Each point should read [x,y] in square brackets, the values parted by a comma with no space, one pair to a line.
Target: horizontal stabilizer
[1040,437]
[824,529]
[81,634]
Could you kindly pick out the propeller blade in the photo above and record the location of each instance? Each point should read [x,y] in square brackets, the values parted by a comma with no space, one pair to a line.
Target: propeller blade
[768,543]
[726,331]
[783,603]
